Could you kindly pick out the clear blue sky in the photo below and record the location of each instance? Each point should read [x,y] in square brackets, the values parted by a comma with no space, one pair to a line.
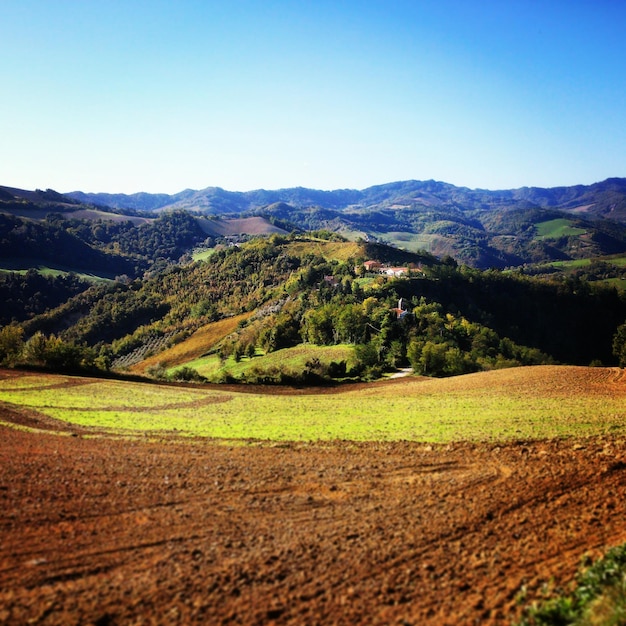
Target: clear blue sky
[159,96]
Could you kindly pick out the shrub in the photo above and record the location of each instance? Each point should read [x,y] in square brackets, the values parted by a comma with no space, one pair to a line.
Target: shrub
[599,597]
[188,374]
[157,371]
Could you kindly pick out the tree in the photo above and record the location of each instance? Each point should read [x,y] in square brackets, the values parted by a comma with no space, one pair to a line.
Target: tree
[318,327]
[350,324]
[35,349]
[396,353]
[619,345]
[11,344]
[432,360]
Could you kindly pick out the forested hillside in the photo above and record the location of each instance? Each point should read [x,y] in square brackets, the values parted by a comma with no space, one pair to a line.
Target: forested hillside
[86,288]
[440,318]
[480,228]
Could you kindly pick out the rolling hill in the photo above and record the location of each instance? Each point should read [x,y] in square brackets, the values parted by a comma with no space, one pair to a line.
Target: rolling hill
[282,291]
[173,273]
[603,199]
[478,227]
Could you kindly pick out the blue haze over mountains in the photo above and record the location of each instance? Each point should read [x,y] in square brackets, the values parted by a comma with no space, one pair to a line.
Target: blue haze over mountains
[603,199]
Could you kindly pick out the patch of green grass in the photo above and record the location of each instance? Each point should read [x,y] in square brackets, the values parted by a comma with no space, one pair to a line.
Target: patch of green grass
[206,366]
[430,410]
[202,254]
[554,229]
[43,381]
[619,283]
[91,395]
[21,266]
[294,359]
[573,264]
[597,599]
[413,242]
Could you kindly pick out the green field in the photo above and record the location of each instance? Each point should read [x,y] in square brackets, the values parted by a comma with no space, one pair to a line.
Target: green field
[21,266]
[202,254]
[294,359]
[554,229]
[413,242]
[528,403]
[589,266]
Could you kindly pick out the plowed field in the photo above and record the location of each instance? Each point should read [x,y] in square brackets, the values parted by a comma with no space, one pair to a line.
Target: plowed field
[105,530]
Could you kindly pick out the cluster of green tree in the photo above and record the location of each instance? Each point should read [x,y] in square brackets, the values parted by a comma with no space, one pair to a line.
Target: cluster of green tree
[596,270]
[49,352]
[101,314]
[53,244]
[434,342]
[514,320]
[619,345]
[452,319]
[167,238]
[24,295]
[571,320]
[181,298]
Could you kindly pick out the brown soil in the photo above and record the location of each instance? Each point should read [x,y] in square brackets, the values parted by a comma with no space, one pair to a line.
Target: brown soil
[98,530]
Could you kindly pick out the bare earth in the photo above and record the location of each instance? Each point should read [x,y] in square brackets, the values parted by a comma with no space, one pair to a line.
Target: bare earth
[97,530]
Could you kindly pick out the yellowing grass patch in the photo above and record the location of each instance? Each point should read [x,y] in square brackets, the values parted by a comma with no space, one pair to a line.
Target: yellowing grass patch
[195,346]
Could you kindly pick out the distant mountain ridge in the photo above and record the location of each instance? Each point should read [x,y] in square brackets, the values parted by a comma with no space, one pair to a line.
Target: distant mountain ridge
[606,199]
[477,227]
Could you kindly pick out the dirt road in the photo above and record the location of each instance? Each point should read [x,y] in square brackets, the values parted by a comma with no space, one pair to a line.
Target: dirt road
[108,531]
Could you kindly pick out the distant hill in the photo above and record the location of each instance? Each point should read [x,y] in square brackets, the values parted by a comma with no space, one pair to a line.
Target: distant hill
[478,227]
[604,199]
[219,227]
[293,264]
[38,204]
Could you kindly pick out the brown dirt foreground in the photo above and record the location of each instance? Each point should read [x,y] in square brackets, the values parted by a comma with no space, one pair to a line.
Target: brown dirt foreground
[108,531]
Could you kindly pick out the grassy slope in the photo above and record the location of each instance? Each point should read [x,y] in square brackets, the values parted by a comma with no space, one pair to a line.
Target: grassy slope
[570,266]
[619,261]
[203,254]
[553,229]
[330,250]
[294,359]
[21,266]
[195,346]
[517,404]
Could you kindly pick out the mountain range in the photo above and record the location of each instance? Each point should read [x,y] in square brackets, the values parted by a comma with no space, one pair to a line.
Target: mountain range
[477,227]
[605,199]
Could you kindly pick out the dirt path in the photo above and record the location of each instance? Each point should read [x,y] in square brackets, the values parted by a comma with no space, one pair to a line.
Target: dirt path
[105,531]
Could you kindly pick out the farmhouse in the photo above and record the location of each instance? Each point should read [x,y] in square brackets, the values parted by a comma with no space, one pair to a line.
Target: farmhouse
[377,266]
[395,271]
[370,266]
